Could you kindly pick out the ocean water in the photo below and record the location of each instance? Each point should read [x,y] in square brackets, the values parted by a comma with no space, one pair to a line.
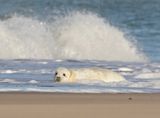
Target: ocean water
[37,36]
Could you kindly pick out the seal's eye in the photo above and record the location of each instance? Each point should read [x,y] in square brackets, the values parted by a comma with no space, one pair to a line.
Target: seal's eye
[56,73]
[64,74]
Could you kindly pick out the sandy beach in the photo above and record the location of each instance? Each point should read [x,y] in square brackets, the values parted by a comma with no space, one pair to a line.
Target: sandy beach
[68,105]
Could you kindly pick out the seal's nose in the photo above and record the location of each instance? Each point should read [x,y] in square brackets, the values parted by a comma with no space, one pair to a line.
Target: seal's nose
[58,79]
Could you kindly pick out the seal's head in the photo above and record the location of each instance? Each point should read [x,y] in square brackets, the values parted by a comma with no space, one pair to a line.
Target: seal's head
[62,75]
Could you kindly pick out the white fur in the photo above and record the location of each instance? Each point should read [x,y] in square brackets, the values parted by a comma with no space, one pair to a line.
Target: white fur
[72,75]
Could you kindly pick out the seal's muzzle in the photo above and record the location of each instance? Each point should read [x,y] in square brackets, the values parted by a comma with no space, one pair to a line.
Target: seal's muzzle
[58,79]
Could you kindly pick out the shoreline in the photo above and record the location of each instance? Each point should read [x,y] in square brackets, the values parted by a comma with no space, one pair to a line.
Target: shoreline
[76,98]
[68,105]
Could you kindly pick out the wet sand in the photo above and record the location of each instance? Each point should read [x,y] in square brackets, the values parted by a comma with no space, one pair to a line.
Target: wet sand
[73,105]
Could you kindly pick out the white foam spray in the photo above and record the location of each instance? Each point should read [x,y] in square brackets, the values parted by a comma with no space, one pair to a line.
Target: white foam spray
[78,35]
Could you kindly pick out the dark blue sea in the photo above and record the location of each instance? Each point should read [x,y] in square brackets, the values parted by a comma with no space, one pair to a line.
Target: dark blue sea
[37,36]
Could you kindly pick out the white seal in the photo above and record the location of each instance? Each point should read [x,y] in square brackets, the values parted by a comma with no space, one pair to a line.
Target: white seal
[72,75]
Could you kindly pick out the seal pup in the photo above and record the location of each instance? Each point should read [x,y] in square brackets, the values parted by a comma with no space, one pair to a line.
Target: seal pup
[72,75]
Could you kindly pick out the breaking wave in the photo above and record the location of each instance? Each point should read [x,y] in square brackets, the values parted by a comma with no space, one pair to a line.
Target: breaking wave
[78,35]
